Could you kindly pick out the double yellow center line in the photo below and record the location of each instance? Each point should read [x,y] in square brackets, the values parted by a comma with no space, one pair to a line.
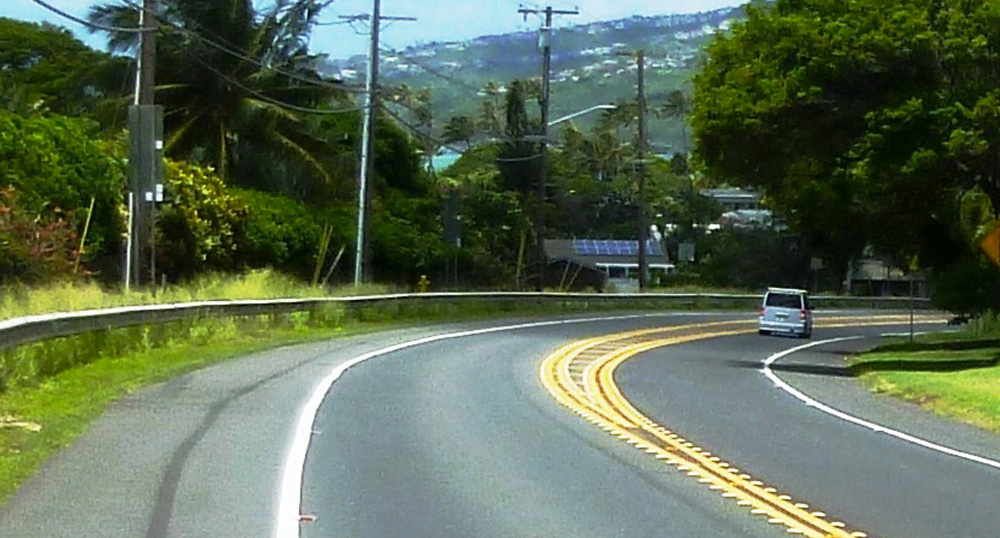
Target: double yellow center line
[580,376]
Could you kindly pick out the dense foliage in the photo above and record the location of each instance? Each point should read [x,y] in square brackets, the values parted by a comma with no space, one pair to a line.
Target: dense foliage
[58,165]
[34,248]
[44,68]
[239,85]
[200,225]
[864,121]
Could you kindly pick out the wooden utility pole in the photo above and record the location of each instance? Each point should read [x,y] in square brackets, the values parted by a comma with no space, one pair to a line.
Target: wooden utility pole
[362,249]
[545,42]
[641,173]
[145,155]
[147,54]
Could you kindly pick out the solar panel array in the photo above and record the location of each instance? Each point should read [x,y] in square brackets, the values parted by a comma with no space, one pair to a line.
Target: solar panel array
[614,247]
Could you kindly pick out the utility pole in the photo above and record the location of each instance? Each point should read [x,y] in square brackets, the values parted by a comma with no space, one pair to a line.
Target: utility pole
[641,173]
[147,60]
[545,42]
[145,155]
[362,250]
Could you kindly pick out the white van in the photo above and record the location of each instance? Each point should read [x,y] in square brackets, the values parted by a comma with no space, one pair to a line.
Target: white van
[786,311]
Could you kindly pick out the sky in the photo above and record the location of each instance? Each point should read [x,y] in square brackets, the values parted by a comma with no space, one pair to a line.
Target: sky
[438,20]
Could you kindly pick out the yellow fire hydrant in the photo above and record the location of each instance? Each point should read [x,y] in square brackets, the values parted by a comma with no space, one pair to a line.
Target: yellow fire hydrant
[424,285]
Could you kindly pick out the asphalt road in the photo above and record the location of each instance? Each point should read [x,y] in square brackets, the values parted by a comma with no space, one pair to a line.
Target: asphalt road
[458,438]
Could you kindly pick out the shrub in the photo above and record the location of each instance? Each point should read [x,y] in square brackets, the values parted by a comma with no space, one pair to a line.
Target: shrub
[34,248]
[200,225]
[58,164]
[285,234]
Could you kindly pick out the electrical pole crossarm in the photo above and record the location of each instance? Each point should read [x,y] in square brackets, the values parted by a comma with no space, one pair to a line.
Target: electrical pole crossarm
[529,11]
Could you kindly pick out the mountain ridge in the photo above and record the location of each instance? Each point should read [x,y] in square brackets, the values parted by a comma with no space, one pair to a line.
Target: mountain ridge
[587,65]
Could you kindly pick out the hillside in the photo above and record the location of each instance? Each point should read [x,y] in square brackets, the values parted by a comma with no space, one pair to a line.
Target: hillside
[587,68]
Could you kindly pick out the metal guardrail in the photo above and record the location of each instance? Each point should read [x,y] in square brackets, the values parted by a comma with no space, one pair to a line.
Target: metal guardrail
[24,330]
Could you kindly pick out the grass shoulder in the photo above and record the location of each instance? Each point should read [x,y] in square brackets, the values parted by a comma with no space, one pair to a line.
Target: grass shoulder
[956,375]
[51,391]
[36,421]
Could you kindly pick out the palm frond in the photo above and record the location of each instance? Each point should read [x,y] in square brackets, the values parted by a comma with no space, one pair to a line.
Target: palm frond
[304,155]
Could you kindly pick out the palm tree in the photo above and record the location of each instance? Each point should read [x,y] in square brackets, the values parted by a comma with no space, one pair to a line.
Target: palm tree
[237,86]
[489,114]
[678,106]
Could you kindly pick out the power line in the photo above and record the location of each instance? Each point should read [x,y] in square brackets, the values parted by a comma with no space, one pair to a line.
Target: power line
[432,70]
[271,100]
[417,131]
[237,54]
[87,23]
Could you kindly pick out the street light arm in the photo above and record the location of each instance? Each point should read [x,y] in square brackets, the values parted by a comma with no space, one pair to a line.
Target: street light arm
[582,112]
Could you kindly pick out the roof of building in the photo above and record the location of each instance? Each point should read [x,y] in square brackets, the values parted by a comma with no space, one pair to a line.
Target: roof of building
[731,193]
[598,252]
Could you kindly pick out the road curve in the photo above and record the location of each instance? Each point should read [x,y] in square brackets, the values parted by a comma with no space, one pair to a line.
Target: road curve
[458,437]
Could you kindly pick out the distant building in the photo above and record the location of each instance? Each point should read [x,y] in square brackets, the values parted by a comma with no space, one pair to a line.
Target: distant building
[741,209]
[746,218]
[593,263]
[732,199]
[873,277]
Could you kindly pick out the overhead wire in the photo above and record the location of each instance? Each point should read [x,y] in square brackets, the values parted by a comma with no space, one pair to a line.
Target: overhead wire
[239,55]
[432,70]
[87,23]
[419,133]
[264,97]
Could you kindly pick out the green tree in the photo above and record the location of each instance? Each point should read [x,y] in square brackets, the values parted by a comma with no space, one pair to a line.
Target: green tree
[519,158]
[678,107]
[238,85]
[490,121]
[58,165]
[44,68]
[460,129]
[861,120]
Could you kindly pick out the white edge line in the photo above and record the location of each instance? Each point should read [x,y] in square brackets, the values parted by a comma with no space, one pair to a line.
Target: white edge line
[290,489]
[855,420]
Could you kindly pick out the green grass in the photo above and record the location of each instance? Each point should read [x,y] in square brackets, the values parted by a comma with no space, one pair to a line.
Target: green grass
[954,375]
[19,301]
[50,391]
[37,420]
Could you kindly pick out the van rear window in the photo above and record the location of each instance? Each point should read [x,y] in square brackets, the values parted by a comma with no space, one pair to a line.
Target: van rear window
[784,300]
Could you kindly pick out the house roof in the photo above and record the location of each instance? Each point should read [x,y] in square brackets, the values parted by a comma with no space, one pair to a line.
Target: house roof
[598,253]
